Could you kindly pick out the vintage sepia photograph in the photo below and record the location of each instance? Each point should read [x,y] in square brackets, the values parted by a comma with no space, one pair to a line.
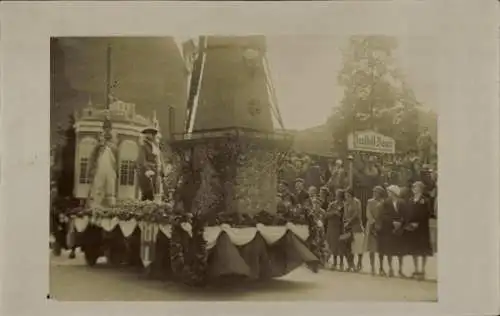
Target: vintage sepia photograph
[232,168]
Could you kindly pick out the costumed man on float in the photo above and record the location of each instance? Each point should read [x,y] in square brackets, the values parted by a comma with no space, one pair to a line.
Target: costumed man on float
[150,166]
[102,169]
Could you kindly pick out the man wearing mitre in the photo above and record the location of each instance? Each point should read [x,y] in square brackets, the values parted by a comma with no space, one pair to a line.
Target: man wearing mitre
[150,165]
[102,170]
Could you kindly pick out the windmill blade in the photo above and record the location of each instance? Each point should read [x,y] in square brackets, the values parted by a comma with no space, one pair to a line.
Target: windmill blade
[195,85]
[272,94]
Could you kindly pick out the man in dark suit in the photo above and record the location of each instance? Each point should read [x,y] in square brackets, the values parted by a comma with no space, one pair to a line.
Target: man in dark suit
[301,194]
[150,165]
[313,176]
[285,191]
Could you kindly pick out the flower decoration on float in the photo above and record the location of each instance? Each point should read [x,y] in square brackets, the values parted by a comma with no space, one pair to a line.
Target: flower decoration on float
[293,215]
[130,209]
[315,241]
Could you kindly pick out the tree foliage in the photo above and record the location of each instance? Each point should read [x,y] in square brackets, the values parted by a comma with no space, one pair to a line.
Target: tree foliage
[376,95]
[63,149]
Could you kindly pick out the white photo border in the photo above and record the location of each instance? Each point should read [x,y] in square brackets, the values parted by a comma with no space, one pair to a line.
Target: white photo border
[468,136]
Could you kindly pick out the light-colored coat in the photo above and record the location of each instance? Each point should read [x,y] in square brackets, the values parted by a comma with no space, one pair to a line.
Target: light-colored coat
[353,215]
[353,222]
[372,213]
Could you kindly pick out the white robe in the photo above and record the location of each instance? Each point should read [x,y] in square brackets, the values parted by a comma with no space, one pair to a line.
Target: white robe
[103,190]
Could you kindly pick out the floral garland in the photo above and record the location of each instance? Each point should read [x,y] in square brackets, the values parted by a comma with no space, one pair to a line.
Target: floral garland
[177,248]
[315,242]
[294,215]
[197,272]
[189,258]
[148,211]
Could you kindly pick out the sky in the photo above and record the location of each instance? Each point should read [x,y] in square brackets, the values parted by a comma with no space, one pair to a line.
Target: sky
[304,72]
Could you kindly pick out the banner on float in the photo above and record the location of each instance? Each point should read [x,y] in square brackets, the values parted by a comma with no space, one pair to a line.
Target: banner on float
[370,141]
[149,231]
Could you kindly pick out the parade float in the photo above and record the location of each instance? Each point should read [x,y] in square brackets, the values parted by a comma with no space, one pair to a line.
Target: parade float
[223,219]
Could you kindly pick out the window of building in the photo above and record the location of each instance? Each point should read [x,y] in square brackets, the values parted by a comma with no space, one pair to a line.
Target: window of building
[127,172]
[84,170]
[85,148]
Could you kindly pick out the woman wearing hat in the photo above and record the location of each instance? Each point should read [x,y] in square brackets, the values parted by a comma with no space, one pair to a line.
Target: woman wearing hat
[353,222]
[334,228]
[417,227]
[391,227]
[372,213]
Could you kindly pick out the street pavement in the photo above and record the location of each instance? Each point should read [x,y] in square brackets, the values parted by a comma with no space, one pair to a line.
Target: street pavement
[72,280]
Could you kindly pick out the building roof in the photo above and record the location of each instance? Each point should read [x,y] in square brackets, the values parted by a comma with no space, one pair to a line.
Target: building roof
[147,71]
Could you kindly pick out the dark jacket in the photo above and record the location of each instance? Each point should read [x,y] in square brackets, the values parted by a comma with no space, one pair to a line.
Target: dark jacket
[147,161]
[390,239]
[353,216]
[418,238]
[302,197]
[388,215]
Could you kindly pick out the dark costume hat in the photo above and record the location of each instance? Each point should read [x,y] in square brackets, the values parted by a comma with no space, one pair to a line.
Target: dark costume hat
[150,130]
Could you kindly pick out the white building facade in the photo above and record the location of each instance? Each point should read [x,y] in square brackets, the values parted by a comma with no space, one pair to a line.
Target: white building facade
[126,130]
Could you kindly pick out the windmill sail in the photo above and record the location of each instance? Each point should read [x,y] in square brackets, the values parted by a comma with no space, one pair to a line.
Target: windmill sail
[195,77]
[231,87]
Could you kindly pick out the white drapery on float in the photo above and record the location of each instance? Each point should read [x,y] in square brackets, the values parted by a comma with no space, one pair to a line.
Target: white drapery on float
[239,236]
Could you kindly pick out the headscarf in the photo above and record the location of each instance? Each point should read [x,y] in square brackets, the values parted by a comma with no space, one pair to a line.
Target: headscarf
[394,189]
[419,184]
[379,190]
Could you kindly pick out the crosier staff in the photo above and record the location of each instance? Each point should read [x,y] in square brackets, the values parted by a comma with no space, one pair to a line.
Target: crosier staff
[158,194]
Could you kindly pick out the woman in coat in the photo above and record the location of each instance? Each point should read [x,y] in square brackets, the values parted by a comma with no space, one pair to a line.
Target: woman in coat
[319,216]
[372,213]
[334,229]
[353,222]
[392,219]
[324,196]
[417,229]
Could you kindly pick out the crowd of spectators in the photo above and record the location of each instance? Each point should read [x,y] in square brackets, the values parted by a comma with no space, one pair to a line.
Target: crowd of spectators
[368,171]
[384,209]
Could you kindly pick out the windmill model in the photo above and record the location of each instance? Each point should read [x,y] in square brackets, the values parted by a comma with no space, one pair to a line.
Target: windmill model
[229,146]
[230,153]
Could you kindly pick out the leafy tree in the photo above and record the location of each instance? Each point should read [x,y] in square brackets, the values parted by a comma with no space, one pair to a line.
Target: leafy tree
[376,95]
[63,169]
